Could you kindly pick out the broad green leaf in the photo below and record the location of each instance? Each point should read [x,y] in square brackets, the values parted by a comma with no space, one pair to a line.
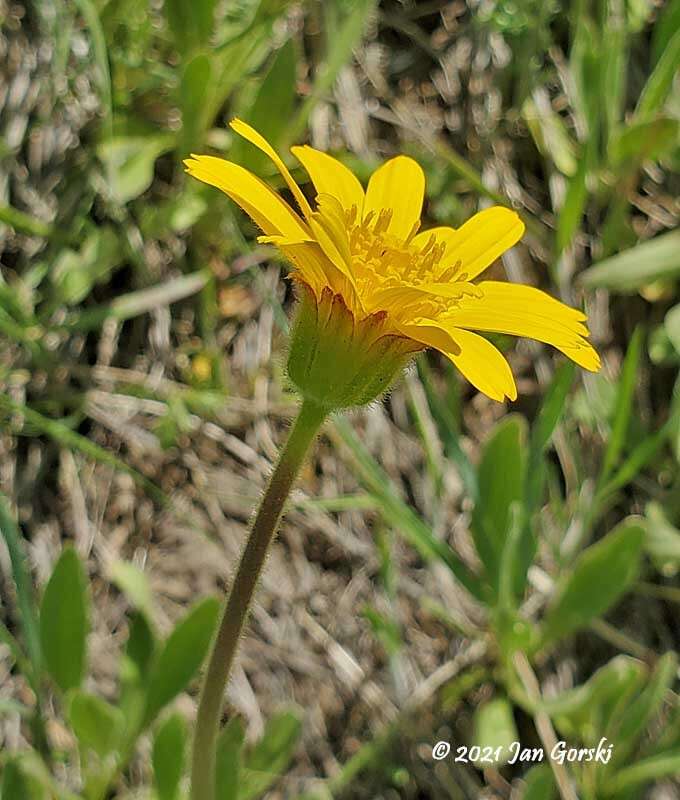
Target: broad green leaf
[168,757]
[270,111]
[191,23]
[64,621]
[600,576]
[660,81]
[130,162]
[97,724]
[270,756]
[494,727]
[134,584]
[181,656]
[662,540]
[501,483]
[652,260]
[642,141]
[228,759]
[539,784]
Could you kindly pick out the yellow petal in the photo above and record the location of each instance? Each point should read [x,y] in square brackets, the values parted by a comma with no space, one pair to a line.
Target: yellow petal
[307,257]
[265,207]
[517,295]
[483,365]
[245,130]
[329,176]
[317,269]
[399,184]
[524,311]
[432,335]
[482,239]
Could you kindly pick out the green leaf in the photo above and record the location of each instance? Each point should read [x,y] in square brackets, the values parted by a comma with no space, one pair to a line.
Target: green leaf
[662,540]
[645,140]
[64,621]
[543,428]
[134,584]
[649,770]
[97,724]
[638,713]
[22,780]
[575,199]
[195,91]
[550,133]
[228,759]
[539,784]
[501,483]
[623,406]
[27,606]
[270,111]
[130,163]
[667,23]
[494,727]
[672,326]
[191,23]
[141,643]
[270,756]
[660,81]
[181,656]
[600,576]
[76,272]
[655,259]
[168,758]
[583,712]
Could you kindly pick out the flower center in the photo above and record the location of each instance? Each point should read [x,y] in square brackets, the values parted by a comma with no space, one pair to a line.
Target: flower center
[382,261]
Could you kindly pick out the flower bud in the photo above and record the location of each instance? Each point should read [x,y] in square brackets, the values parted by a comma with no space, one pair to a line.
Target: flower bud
[338,361]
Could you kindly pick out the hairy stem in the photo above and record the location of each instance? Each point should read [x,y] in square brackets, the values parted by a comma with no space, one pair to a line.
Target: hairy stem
[236,609]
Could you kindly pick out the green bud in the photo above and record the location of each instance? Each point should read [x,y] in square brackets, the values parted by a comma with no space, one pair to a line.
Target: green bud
[338,361]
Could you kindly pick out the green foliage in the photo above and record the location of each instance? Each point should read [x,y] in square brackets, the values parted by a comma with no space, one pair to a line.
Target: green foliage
[586,134]
[181,656]
[64,622]
[601,574]
[169,756]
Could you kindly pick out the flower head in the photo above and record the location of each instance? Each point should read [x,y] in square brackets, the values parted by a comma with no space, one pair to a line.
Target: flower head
[361,258]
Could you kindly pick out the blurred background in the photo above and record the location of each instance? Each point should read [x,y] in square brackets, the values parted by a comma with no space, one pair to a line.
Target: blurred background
[433,536]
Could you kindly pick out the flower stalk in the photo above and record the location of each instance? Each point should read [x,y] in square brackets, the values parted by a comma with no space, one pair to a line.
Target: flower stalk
[236,609]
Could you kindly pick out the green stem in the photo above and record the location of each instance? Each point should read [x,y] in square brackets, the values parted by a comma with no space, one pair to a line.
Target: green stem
[262,532]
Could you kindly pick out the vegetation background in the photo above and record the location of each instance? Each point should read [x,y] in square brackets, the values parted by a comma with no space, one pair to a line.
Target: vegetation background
[450,569]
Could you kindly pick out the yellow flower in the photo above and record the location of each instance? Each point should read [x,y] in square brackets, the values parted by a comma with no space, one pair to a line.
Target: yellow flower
[364,249]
